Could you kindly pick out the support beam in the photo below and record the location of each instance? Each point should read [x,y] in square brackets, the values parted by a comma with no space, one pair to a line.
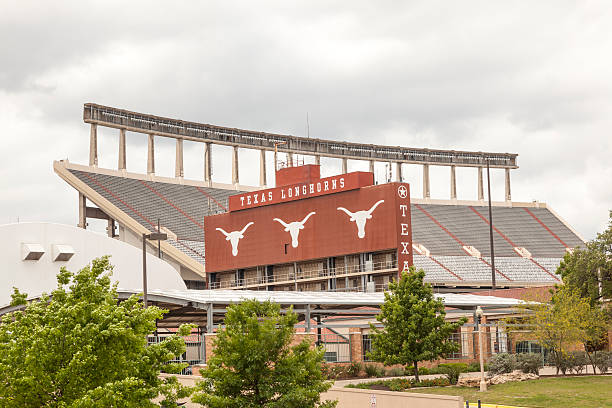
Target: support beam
[110,228]
[179,171]
[508,193]
[82,211]
[151,155]
[289,159]
[398,172]
[371,166]
[426,189]
[262,168]
[344,165]
[453,183]
[318,160]
[208,162]
[93,145]
[121,164]
[307,318]
[235,175]
[480,185]
[210,324]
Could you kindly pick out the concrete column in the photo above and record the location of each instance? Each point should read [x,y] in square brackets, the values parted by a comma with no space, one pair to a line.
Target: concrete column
[289,159]
[262,168]
[480,185]
[344,165]
[508,195]
[121,164]
[235,175]
[318,160]
[207,162]
[178,164]
[426,190]
[93,145]
[398,172]
[151,155]
[453,184]
[371,166]
[82,211]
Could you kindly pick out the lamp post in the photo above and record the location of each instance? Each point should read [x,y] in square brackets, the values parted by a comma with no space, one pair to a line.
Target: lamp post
[483,383]
[154,236]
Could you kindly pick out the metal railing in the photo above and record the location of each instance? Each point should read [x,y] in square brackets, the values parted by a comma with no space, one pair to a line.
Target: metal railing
[306,274]
[195,353]
[337,347]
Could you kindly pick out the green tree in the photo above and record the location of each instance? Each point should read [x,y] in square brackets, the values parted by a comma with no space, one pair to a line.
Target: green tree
[414,324]
[254,366]
[562,323]
[589,269]
[80,347]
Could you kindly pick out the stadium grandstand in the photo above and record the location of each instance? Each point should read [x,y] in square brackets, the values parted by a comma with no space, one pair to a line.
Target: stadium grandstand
[450,238]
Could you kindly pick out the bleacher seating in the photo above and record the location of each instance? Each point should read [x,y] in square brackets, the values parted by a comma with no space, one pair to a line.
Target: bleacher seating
[442,229]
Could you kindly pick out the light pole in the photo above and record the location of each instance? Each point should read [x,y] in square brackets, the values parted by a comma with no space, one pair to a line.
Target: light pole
[483,383]
[493,286]
[154,236]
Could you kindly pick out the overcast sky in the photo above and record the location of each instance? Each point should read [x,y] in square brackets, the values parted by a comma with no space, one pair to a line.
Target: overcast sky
[533,78]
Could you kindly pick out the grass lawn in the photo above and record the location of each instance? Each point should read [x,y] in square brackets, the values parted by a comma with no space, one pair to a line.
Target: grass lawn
[583,392]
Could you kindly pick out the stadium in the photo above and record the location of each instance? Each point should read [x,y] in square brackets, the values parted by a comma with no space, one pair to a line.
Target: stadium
[449,238]
[325,246]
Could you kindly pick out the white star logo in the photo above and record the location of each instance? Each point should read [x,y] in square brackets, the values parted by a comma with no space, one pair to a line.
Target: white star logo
[402,191]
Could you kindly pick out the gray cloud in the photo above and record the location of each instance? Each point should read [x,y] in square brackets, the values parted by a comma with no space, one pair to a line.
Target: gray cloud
[526,78]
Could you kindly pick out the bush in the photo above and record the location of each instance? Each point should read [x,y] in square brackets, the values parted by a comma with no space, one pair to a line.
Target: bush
[564,363]
[395,372]
[401,384]
[579,361]
[373,370]
[473,367]
[502,363]
[529,363]
[452,371]
[355,369]
[602,360]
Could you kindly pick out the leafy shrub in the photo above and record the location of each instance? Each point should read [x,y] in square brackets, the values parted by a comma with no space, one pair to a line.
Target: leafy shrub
[602,360]
[395,372]
[501,363]
[473,367]
[355,369]
[579,361]
[452,371]
[373,370]
[529,363]
[334,371]
[401,384]
[424,371]
[564,363]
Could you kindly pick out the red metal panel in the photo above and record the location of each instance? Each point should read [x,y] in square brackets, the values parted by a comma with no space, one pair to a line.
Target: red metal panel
[329,232]
[298,174]
[328,185]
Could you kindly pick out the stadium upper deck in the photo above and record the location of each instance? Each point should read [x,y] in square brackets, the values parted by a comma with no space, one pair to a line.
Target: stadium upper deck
[451,240]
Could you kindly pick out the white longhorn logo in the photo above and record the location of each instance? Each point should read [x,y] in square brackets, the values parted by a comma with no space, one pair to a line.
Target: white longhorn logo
[361,217]
[234,236]
[294,228]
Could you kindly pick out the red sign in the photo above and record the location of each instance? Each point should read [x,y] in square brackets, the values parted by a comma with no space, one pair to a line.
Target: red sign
[329,185]
[367,219]
[404,228]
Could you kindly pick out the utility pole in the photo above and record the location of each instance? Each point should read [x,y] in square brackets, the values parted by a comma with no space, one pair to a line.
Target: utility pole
[493,286]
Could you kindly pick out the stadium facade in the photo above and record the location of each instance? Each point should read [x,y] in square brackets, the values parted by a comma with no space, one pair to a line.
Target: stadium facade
[333,249]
